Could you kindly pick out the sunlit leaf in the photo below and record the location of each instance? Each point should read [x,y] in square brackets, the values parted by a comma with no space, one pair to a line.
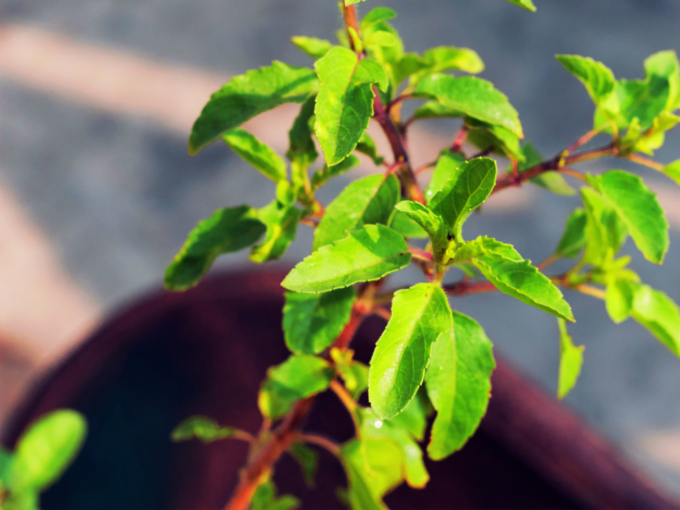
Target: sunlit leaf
[363,256]
[296,378]
[227,230]
[458,382]
[571,360]
[248,95]
[260,155]
[402,353]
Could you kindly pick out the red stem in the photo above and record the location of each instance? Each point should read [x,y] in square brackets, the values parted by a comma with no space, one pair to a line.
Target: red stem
[463,288]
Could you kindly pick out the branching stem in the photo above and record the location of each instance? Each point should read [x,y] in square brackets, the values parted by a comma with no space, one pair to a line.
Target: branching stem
[327,444]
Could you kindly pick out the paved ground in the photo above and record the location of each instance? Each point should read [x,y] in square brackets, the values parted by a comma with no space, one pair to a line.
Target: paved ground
[98,169]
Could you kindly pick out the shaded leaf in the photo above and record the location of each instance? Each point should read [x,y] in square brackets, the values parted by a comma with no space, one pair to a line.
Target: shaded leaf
[414,469]
[298,377]
[203,428]
[315,48]
[308,460]
[458,382]
[227,230]
[281,221]
[405,226]
[321,177]
[638,208]
[504,267]
[363,256]
[248,95]
[472,96]
[265,498]
[414,416]
[448,58]
[46,449]
[373,468]
[260,155]
[644,99]
[368,147]
[573,239]
[345,101]
[571,360]
[354,373]
[659,314]
[551,181]
[446,169]
[466,190]
[301,148]
[369,200]
[432,223]
[402,353]
[497,138]
[312,321]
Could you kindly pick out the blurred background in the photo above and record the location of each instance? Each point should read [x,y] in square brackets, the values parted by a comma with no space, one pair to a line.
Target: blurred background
[97,192]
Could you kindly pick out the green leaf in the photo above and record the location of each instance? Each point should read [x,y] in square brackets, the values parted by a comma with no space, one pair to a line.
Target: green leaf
[597,77]
[407,65]
[642,99]
[46,449]
[352,2]
[414,416]
[550,181]
[354,373]
[345,101]
[5,467]
[571,360]
[665,64]
[405,226]
[605,233]
[574,237]
[376,15]
[260,155]
[526,4]
[659,314]
[321,177]
[387,51]
[504,267]
[620,295]
[248,95]
[465,191]
[312,321]
[435,110]
[368,147]
[203,428]
[227,230]
[447,168]
[281,221]
[363,256]
[302,149]
[308,460]
[448,58]
[458,382]
[638,208]
[368,200]
[374,467]
[472,96]
[265,498]
[298,377]
[433,224]
[415,472]
[402,353]
[315,48]
[497,138]
[672,170]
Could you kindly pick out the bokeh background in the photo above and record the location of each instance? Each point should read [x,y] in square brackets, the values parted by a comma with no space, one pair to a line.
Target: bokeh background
[97,192]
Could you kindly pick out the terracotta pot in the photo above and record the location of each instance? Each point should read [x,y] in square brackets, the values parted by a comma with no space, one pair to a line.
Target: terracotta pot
[205,351]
